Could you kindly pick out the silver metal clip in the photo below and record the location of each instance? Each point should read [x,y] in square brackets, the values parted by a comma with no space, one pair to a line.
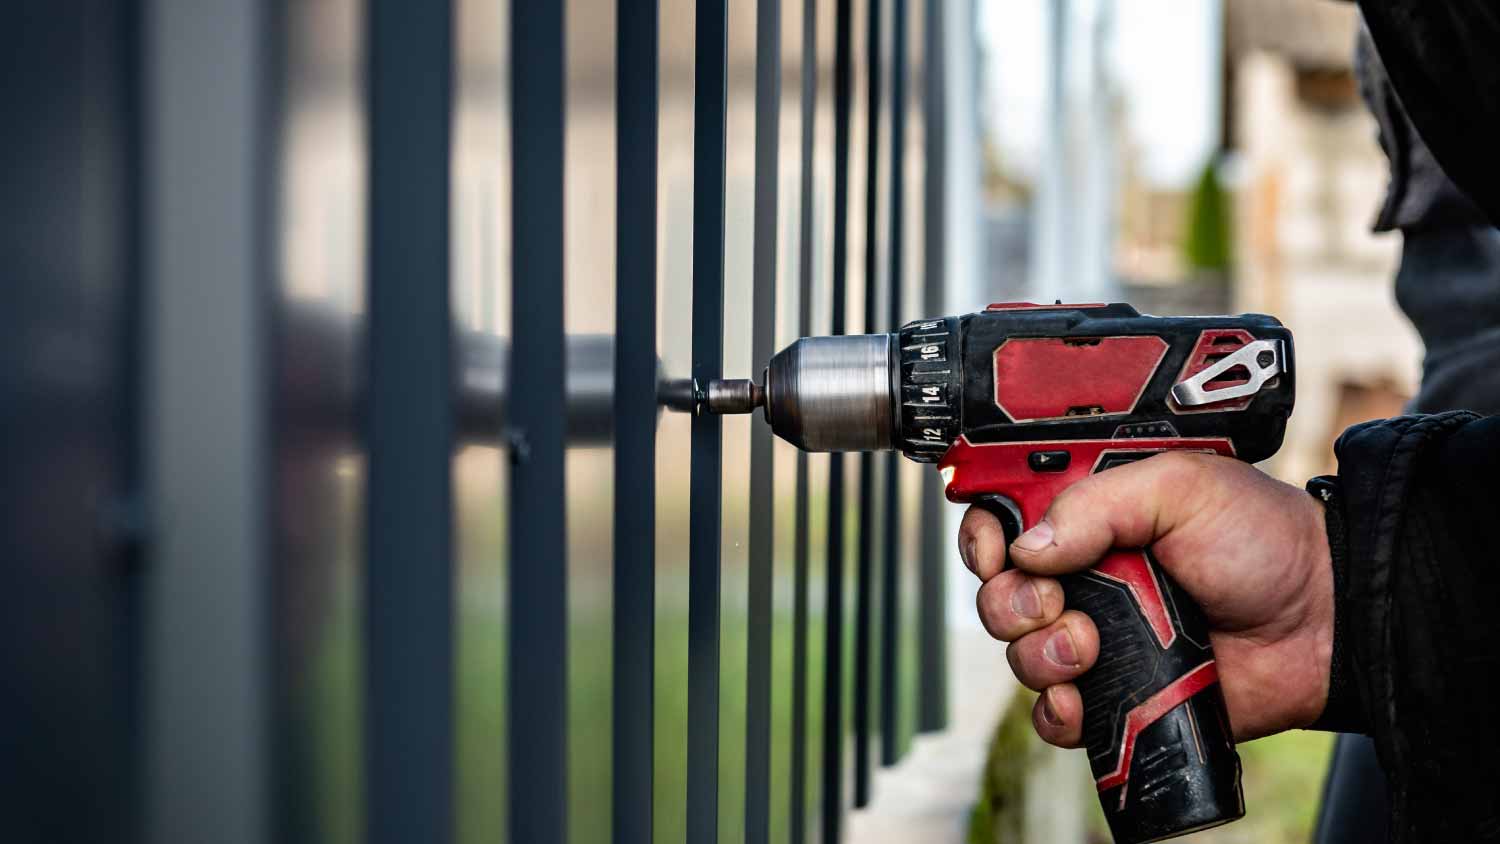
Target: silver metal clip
[1191,393]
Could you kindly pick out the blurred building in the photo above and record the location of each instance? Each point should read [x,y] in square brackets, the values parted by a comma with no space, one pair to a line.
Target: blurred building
[1309,177]
[1294,176]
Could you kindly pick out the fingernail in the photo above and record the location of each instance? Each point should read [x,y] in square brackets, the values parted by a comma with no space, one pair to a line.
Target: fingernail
[1059,649]
[968,556]
[1026,602]
[1039,537]
[1048,714]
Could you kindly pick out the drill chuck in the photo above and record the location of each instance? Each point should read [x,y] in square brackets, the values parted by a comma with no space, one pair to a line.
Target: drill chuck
[820,394]
[833,393]
[852,392]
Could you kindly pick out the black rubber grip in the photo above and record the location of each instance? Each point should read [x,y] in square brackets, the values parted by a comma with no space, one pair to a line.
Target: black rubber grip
[1154,721]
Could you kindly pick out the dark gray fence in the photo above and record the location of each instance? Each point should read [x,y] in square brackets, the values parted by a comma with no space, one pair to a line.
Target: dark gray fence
[343,357]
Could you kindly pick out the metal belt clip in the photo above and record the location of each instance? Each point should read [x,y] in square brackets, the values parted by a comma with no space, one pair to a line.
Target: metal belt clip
[1260,358]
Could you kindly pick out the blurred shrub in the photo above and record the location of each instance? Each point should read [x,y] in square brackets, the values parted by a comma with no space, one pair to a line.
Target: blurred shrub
[1283,778]
[1000,814]
[1206,248]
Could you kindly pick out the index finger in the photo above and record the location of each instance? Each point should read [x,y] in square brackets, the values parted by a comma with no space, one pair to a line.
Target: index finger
[981,542]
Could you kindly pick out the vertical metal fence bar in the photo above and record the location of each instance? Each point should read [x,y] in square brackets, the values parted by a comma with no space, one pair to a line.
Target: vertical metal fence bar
[890,599]
[833,674]
[207,238]
[706,484]
[933,709]
[635,412]
[800,550]
[408,622]
[130,605]
[865,575]
[538,537]
[758,678]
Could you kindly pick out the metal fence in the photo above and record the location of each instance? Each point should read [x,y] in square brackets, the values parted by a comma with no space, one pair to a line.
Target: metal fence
[343,357]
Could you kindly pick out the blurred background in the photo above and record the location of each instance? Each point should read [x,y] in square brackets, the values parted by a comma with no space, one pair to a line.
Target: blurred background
[1199,157]
[336,502]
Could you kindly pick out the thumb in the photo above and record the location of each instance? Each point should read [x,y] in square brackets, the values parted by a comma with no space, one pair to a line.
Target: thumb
[1130,506]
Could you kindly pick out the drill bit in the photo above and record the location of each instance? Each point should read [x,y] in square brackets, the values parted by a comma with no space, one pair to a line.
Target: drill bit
[733,395]
[720,395]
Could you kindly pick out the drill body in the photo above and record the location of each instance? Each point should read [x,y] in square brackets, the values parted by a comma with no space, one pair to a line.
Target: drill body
[1016,403]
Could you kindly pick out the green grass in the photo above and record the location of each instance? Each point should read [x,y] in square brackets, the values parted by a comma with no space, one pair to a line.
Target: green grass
[1000,807]
[324,737]
[1283,783]
[1283,780]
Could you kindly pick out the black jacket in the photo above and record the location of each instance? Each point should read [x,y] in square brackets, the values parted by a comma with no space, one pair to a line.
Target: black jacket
[1414,519]
[1414,527]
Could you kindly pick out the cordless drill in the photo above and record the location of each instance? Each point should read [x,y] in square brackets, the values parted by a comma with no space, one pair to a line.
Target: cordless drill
[1014,404]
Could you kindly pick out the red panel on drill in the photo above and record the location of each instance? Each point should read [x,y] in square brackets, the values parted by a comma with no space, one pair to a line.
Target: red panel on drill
[974,470]
[1150,711]
[1038,378]
[1131,569]
[1213,345]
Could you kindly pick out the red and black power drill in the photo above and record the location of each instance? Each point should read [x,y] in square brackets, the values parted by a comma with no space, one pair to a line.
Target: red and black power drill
[1014,404]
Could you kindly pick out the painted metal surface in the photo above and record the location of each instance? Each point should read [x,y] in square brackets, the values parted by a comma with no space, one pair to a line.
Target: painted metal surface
[635,411]
[762,537]
[537,678]
[706,495]
[409,521]
[206,240]
[446,570]
[72,584]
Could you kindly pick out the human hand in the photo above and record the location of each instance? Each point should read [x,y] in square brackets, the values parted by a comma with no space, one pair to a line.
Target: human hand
[1252,551]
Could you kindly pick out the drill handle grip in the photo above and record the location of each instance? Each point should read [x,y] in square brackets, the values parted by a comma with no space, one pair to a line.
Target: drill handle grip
[1154,720]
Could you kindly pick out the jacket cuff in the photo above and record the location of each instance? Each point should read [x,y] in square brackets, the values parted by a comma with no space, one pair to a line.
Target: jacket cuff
[1343,713]
[1378,463]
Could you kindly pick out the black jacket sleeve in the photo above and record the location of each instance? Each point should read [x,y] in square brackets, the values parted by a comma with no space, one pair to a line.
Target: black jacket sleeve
[1442,60]
[1414,526]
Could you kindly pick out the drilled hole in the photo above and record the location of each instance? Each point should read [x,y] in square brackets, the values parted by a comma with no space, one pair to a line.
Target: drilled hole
[1080,341]
[1085,410]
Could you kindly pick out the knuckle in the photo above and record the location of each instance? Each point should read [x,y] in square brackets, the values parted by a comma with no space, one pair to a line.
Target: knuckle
[1051,593]
[1180,467]
[1079,504]
[1065,499]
